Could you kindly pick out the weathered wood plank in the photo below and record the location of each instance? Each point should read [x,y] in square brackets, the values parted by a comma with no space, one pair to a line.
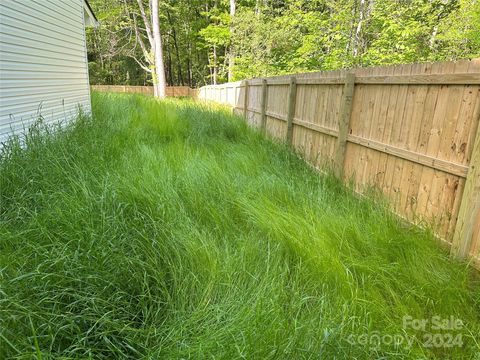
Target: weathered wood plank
[414,79]
[419,158]
[315,127]
[307,81]
[292,96]
[245,100]
[468,214]
[427,79]
[430,161]
[264,106]
[344,120]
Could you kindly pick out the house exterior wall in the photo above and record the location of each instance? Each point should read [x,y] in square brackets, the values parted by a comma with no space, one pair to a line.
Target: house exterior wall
[43,63]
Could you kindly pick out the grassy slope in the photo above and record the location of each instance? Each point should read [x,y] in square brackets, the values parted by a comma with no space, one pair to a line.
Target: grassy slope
[170,230]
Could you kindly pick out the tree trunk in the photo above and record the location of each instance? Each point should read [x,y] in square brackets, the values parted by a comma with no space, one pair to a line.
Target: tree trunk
[179,60]
[180,80]
[169,70]
[257,7]
[231,54]
[214,65]
[159,72]
[357,39]
[189,65]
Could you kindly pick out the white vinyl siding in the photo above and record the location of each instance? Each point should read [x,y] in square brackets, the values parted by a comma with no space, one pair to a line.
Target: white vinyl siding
[43,66]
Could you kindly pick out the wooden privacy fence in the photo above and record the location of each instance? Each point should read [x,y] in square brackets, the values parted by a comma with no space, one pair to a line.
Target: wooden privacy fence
[410,130]
[174,91]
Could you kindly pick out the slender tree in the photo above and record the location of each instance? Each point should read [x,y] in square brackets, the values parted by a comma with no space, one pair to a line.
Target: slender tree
[153,54]
[231,53]
[159,79]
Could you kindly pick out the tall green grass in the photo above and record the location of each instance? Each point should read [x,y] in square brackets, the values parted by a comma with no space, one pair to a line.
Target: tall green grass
[171,230]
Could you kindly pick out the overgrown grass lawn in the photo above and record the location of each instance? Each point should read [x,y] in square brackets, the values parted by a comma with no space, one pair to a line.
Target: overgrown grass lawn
[170,230]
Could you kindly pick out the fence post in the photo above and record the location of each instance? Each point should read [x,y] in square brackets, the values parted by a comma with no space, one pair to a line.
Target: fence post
[469,212]
[245,100]
[263,124]
[344,122]
[234,98]
[292,96]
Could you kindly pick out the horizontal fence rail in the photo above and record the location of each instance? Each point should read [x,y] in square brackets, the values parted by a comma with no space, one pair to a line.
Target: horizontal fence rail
[409,130]
[172,91]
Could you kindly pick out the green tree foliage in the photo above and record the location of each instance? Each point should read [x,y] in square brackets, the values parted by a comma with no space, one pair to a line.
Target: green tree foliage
[272,37]
[107,47]
[216,36]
